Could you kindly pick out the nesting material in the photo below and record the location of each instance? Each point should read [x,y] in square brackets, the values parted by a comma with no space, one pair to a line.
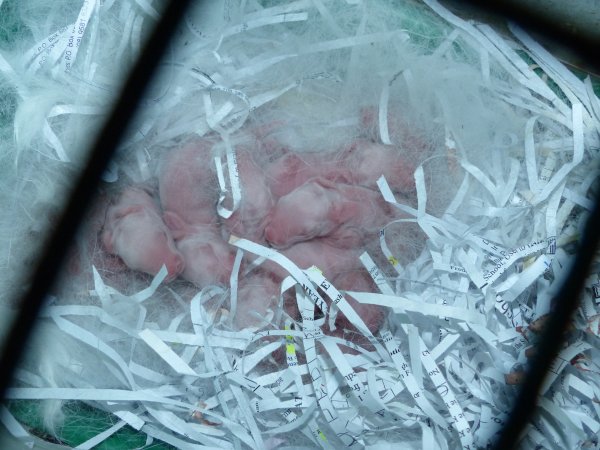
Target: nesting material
[332,224]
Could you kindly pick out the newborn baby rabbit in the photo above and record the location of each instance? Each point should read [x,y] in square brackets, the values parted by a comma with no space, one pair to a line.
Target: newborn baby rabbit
[134,230]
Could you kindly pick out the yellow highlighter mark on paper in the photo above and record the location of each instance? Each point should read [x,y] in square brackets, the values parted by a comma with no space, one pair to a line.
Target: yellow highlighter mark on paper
[290,348]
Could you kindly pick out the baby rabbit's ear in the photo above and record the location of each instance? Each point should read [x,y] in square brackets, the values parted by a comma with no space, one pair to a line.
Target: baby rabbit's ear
[122,212]
[343,211]
[177,226]
[107,240]
[346,237]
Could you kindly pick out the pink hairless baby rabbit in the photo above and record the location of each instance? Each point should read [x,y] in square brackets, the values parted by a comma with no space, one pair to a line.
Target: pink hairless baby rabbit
[367,161]
[316,208]
[256,199]
[188,184]
[208,258]
[359,281]
[294,169]
[342,213]
[319,252]
[134,230]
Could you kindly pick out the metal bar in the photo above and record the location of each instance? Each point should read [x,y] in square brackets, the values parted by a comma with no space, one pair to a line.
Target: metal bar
[566,301]
[53,255]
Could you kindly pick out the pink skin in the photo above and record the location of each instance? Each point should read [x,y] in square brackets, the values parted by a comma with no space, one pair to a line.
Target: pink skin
[256,294]
[344,213]
[362,162]
[359,281]
[402,132]
[187,183]
[88,248]
[208,259]
[268,148]
[368,161]
[134,230]
[343,268]
[316,219]
[256,201]
[319,252]
[293,170]
[398,161]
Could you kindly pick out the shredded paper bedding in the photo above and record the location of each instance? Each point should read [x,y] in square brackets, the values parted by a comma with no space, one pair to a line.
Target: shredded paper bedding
[332,224]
